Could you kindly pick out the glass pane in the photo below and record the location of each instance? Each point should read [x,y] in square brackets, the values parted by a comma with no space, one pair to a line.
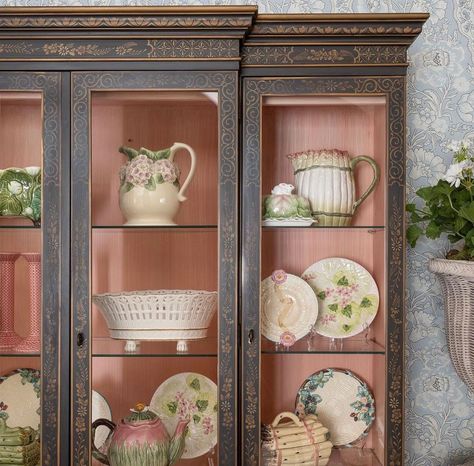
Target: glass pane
[323,265]
[155,261]
[20,262]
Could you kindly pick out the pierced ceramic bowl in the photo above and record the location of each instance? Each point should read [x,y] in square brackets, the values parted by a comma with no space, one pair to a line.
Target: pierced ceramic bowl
[158,315]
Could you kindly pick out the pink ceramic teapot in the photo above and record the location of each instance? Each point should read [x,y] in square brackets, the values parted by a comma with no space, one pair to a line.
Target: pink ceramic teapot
[140,439]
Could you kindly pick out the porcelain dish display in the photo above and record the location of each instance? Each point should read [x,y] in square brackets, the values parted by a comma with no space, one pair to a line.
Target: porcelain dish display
[192,396]
[100,409]
[347,294]
[20,398]
[179,315]
[289,308]
[342,402]
[20,193]
[282,208]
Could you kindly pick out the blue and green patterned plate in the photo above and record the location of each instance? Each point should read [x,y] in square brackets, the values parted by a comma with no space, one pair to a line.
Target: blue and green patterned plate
[342,402]
[20,398]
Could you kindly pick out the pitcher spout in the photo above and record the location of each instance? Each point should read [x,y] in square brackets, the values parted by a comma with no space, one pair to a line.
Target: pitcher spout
[178,440]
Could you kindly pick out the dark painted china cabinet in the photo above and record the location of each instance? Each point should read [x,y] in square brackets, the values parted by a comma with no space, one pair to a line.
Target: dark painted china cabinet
[201,210]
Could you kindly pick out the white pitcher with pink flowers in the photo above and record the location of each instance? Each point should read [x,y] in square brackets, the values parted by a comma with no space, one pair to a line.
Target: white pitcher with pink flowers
[150,193]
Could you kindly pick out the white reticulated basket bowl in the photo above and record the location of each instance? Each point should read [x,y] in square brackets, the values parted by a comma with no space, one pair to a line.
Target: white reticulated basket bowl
[158,315]
[457,282]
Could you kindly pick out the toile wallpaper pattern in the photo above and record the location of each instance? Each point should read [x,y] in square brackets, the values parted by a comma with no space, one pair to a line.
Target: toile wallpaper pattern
[439,409]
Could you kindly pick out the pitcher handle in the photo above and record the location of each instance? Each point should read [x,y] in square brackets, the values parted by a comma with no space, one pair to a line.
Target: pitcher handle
[98,455]
[174,148]
[373,184]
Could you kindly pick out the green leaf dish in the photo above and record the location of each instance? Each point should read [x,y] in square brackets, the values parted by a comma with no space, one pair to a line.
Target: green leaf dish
[20,193]
[282,208]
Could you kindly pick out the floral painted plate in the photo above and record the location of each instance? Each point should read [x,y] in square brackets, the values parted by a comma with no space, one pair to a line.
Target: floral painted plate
[342,402]
[100,410]
[193,396]
[289,308]
[347,294]
[20,398]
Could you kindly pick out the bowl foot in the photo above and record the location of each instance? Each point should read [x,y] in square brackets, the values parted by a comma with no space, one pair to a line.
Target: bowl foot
[182,346]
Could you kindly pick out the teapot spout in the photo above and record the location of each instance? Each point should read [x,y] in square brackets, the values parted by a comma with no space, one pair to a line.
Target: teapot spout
[177,442]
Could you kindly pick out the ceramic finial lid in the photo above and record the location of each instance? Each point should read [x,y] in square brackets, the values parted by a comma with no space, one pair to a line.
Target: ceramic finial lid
[140,413]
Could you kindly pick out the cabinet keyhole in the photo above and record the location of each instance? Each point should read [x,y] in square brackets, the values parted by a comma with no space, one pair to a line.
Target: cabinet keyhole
[251,336]
[80,339]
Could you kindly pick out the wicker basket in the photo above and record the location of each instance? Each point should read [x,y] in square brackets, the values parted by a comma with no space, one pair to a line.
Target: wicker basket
[457,282]
[158,315]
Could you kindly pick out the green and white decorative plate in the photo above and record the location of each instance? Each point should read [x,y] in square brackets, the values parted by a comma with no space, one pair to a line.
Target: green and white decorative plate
[347,294]
[20,398]
[342,402]
[289,308]
[193,396]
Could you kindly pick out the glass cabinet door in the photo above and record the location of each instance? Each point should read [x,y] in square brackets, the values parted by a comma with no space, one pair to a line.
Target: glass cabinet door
[154,266]
[322,270]
[30,266]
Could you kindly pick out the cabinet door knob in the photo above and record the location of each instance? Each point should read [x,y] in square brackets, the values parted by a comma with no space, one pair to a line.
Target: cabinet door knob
[80,339]
[251,336]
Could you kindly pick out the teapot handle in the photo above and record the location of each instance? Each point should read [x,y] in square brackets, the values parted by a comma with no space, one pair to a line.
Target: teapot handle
[98,455]
[174,148]
[373,184]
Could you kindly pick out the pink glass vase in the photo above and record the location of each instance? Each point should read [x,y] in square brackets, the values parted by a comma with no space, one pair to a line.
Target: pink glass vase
[32,342]
[8,337]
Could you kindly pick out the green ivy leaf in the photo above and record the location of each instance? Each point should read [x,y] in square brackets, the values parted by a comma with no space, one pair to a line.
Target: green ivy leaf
[196,418]
[459,223]
[162,154]
[333,307]
[36,203]
[151,185]
[413,233]
[202,405]
[129,152]
[127,186]
[433,230]
[346,327]
[215,408]
[195,384]
[365,302]
[347,311]
[425,193]
[172,406]
[467,212]
[321,295]
[343,281]
[149,153]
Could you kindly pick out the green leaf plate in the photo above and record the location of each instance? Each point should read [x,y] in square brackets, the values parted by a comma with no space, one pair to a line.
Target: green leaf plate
[348,296]
[192,396]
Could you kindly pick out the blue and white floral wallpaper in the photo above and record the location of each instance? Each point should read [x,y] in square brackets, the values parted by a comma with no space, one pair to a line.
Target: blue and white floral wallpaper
[439,409]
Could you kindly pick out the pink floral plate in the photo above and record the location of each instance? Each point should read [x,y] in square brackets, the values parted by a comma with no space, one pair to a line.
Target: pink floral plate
[189,396]
[347,294]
